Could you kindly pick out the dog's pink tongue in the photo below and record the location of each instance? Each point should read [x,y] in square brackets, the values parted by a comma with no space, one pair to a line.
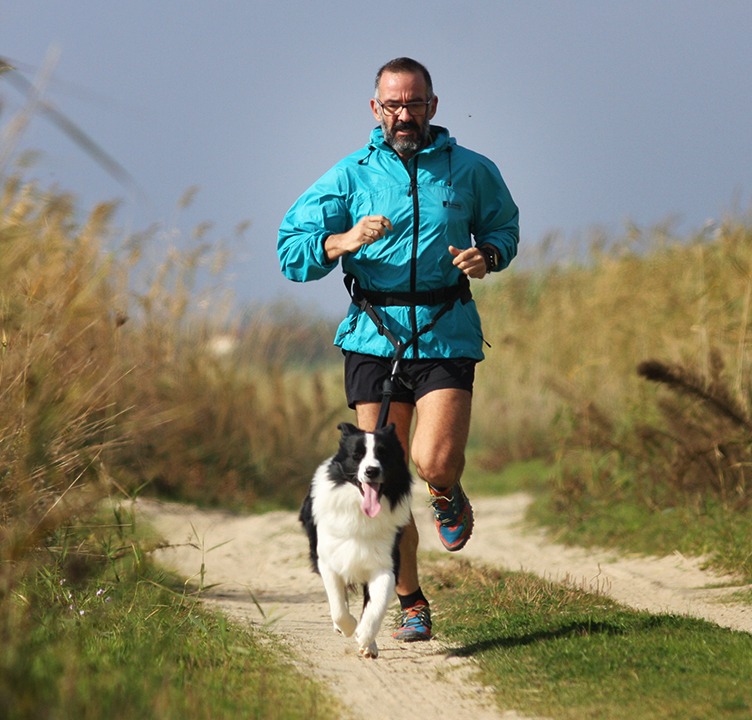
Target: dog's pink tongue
[370,505]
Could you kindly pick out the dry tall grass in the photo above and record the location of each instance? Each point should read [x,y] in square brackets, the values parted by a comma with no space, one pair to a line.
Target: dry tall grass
[109,392]
[57,403]
[636,361]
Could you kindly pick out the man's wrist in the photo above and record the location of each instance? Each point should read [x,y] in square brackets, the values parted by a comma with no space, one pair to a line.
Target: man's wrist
[333,249]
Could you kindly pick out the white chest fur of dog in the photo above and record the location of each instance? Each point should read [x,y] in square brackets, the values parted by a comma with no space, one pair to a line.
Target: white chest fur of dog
[354,513]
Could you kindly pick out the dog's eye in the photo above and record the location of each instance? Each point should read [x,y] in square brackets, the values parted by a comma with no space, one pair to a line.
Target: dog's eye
[358,455]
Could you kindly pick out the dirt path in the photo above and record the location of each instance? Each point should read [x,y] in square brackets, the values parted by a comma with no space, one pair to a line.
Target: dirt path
[265,558]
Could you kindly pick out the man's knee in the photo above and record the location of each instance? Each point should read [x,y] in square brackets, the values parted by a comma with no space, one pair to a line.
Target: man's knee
[440,472]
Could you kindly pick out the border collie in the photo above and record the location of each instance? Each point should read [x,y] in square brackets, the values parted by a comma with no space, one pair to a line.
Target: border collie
[354,514]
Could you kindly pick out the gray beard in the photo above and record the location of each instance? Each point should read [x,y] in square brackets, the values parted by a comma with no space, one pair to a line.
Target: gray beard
[407,146]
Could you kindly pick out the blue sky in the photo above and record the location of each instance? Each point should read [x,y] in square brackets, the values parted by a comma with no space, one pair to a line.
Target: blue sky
[598,113]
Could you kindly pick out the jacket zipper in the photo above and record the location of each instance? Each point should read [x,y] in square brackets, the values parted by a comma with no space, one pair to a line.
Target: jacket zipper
[413,193]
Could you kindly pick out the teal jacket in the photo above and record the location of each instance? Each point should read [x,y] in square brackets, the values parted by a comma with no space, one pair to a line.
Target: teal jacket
[444,195]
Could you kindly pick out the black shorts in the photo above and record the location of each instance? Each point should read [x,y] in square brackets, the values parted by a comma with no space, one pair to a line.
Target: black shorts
[365,375]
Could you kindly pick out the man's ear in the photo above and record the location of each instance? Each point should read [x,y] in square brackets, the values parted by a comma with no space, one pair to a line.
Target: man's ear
[432,109]
[375,109]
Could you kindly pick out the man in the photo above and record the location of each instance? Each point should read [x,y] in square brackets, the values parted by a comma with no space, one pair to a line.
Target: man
[410,218]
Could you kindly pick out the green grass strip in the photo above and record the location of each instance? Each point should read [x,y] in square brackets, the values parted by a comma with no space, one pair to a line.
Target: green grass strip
[135,650]
[558,651]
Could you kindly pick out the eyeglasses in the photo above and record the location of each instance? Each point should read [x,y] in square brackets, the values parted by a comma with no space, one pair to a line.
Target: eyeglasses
[416,109]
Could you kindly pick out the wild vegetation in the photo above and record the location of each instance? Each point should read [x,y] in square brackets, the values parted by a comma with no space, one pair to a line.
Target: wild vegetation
[105,393]
[626,373]
[631,373]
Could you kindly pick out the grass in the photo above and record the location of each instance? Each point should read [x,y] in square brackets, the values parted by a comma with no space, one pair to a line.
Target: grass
[107,634]
[709,531]
[107,391]
[559,651]
[521,476]
[629,374]
[706,529]
[617,388]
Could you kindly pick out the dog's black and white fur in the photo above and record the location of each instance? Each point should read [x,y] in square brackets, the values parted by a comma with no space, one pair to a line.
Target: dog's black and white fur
[354,514]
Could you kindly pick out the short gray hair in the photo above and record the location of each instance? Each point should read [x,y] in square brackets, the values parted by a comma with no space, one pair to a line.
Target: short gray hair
[405,65]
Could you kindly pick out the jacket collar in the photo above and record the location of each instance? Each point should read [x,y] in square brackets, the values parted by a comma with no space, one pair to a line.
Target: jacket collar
[440,140]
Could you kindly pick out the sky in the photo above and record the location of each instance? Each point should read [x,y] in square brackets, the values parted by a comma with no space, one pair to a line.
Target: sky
[600,114]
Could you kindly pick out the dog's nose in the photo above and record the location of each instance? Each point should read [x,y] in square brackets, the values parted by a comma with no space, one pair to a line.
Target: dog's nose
[373,471]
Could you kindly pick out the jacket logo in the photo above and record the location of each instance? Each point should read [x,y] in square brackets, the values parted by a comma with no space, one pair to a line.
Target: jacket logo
[452,205]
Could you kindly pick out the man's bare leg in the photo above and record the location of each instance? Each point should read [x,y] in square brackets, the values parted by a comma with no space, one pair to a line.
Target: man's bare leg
[438,451]
[440,438]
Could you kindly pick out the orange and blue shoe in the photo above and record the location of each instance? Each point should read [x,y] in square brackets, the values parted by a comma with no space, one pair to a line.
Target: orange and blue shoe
[415,624]
[453,515]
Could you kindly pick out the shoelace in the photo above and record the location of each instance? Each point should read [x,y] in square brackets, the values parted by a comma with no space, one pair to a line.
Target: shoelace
[416,615]
[447,510]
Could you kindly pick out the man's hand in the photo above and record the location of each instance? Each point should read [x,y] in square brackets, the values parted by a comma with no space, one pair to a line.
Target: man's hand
[367,230]
[472,261]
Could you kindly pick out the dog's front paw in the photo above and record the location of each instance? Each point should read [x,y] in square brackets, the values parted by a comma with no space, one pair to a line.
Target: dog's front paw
[346,625]
[366,638]
[369,651]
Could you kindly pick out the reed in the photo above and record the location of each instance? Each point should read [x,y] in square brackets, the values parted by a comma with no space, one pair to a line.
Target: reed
[108,388]
[111,387]
[630,371]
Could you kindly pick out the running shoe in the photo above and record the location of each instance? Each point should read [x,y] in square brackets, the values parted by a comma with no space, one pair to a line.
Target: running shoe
[453,515]
[415,624]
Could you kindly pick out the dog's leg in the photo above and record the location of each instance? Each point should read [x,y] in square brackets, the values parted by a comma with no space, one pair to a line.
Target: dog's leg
[380,590]
[336,592]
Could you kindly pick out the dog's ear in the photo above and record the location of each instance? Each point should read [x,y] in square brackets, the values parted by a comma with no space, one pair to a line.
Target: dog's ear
[347,429]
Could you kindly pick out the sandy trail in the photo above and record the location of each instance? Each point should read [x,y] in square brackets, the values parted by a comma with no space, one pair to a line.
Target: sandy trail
[264,559]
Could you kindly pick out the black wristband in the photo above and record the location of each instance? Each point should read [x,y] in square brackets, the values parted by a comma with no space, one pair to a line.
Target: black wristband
[492,257]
